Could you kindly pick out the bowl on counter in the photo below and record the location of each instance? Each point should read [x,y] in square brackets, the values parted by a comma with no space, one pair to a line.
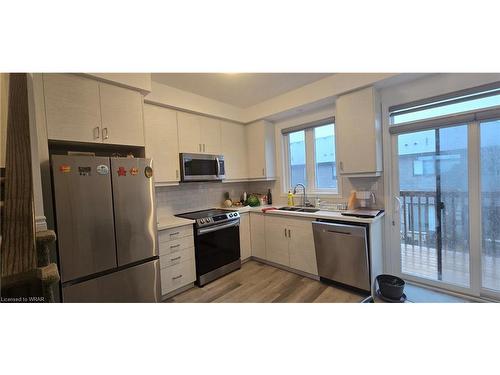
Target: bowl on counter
[391,287]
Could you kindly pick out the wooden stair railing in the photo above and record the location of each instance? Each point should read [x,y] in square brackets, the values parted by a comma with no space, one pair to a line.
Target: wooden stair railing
[26,276]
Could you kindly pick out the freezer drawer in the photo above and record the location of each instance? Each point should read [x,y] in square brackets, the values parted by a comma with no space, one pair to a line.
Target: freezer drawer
[342,253]
[134,207]
[139,283]
[84,215]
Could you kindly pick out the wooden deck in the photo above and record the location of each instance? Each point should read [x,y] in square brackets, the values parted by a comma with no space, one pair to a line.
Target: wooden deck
[422,262]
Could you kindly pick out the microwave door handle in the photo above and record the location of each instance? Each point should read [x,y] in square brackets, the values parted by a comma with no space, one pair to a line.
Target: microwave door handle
[218,166]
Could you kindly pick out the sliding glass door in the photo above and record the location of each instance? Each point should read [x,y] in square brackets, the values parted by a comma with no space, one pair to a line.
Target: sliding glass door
[446,219]
[433,196]
[490,205]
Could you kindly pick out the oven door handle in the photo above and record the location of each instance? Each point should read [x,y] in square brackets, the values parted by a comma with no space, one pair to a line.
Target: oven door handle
[218,166]
[218,227]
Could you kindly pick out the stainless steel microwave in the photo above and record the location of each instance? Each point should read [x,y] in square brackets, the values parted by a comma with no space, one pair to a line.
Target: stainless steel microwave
[202,167]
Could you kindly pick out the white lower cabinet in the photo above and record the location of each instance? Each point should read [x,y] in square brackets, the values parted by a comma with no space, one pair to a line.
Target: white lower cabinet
[257,233]
[301,247]
[177,263]
[277,240]
[290,242]
[245,243]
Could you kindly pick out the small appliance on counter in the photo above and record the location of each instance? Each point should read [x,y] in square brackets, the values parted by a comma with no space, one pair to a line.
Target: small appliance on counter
[216,243]
[365,198]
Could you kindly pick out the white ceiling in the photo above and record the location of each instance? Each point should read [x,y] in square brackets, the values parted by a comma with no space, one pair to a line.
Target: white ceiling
[238,89]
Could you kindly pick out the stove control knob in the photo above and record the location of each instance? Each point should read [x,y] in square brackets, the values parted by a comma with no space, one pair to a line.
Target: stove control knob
[202,221]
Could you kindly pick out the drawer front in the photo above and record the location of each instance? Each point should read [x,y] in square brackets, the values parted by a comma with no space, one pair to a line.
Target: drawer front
[176,245]
[172,259]
[175,233]
[177,276]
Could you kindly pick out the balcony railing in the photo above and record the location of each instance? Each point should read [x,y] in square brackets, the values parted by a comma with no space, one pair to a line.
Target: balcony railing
[419,221]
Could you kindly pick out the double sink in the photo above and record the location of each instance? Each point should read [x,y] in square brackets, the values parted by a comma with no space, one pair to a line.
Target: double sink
[298,209]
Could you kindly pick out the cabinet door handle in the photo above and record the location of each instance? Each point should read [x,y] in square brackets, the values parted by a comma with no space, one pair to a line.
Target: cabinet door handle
[174,234]
[105,133]
[204,147]
[176,277]
[263,172]
[289,234]
[96,132]
[176,258]
[174,246]
[341,164]
[285,232]
[199,146]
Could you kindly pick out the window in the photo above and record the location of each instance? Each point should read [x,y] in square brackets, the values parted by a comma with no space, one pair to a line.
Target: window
[310,157]
[469,100]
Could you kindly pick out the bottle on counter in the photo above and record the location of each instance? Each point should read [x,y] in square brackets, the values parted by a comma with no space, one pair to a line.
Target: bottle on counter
[245,198]
[290,198]
[269,197]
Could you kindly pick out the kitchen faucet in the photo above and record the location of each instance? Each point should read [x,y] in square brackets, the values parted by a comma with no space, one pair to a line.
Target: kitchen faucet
[304,200]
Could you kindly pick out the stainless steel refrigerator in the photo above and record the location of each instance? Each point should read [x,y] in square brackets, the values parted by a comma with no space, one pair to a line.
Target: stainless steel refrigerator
[106,229]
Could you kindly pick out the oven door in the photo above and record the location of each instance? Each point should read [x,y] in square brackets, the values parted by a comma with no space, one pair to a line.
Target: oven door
[217,246]
[200,167]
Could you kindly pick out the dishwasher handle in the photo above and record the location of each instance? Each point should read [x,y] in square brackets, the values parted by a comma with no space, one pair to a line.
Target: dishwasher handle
[338,228]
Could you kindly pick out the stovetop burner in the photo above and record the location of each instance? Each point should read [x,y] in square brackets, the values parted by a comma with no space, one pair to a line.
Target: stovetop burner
[211,216]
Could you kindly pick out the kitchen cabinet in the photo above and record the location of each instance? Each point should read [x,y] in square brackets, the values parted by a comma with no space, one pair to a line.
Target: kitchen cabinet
[234,149]
[177,261]
[260,150]
[198,134]
[301,246]
[79,109]
[290,242]
[257,235]
[358,131]
[245,243]
[160,128]
[210,135]
[122,115]
[277,240]
[72,108]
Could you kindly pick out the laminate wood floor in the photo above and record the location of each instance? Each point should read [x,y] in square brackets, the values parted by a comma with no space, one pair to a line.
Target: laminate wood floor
[258,282]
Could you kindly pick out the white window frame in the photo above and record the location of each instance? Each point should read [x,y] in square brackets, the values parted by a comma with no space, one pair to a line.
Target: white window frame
[310,156]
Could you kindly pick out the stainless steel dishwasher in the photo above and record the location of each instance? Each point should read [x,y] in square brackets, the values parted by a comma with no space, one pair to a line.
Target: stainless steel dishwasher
[342,253]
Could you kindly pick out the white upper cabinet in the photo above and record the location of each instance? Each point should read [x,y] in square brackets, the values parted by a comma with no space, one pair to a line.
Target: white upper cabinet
[234,149]
[198,134]
[260,150]
[359,133]
[210,135]
[84,110]
[189,132]
[122,117]
[72,108]
[160,128]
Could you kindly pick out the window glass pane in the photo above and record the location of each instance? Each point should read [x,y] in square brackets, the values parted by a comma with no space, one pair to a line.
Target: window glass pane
[324,143]
[297,147]
[433,187]
[490,204]
[447,109]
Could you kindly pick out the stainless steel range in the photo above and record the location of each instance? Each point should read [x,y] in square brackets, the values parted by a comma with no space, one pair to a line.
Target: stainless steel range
[217,243]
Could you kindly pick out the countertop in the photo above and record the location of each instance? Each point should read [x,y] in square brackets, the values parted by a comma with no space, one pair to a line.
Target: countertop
[167,222]
[332,215]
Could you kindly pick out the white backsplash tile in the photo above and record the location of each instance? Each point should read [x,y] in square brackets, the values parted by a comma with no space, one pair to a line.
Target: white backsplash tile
[192,196]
